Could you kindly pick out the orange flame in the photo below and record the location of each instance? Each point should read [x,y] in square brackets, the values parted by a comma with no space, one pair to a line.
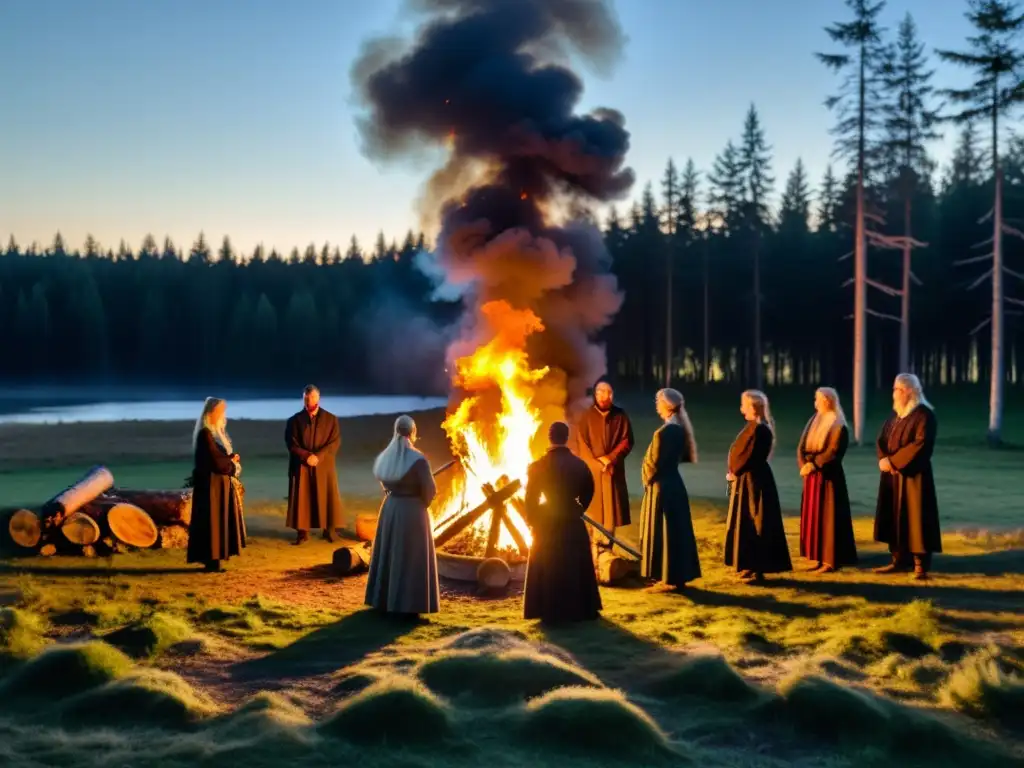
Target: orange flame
[500,446]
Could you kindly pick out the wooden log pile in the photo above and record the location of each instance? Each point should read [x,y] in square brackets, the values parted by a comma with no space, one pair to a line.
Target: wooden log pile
[92,517]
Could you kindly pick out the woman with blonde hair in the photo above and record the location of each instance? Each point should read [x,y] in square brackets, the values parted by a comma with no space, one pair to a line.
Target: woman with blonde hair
[403,575]
[216,531]
[667,542]
[826,522]
[755,539]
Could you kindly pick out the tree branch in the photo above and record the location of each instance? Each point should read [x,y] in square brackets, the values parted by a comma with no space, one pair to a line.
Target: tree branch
[886,289]
[983,243]
[1014,273]
[974,259]
[915,279]
[987,216]
[980,325]
[1011,300]
[845,256]
[1013,231]
[980,280]
[883,315]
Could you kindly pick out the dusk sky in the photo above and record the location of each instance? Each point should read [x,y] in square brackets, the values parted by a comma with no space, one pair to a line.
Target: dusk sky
[126,117]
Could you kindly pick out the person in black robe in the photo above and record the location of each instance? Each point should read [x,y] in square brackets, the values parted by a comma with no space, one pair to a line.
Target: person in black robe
[216,531]
[755,539]
[313,438]
[560,581]
[907,514]
[604,438]
[826,521]
[667,541]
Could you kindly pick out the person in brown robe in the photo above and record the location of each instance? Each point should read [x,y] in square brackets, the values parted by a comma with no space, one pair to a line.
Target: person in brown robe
[604,438]
[826,522]
[313,438]
[667,541]
[216,531]
[403,578]
[907,514]
[560,581]
[755,539]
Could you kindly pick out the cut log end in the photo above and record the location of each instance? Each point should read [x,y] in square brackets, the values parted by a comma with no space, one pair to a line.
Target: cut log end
[48,550]
[612,569]
[131,525]
[81,529]
[350,560]
[25,529]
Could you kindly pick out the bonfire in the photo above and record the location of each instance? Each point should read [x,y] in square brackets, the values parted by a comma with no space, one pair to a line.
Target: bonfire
[493,433]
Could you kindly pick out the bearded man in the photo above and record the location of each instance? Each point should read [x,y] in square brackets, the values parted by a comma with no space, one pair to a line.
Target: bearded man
[907,515]
[604,438]
[313,438]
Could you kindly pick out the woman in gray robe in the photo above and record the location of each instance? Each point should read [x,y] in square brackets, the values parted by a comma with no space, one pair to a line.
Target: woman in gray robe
[403,568]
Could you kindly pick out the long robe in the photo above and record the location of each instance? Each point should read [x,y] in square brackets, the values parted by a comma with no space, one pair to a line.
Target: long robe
[606,434]
[560,581]
[217,528]
[755,539]
[403,567]
[826,521]
[667,542]
[313,499]
[907,515]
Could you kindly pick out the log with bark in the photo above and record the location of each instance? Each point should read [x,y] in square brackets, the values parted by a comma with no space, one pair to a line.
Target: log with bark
[92,484]
[351,560]
[165,507]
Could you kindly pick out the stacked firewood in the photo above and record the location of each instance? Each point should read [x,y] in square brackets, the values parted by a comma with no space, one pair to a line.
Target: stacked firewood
[92,518]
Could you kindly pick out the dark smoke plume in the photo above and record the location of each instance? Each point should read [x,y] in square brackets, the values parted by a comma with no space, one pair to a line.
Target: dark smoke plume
[490,80]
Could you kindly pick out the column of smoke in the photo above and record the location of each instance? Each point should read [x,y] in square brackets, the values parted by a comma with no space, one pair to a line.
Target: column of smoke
[489,81]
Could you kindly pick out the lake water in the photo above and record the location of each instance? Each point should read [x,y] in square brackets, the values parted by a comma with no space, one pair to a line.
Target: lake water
[273,409]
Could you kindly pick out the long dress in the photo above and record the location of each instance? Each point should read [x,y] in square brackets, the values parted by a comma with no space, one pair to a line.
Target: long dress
[606,433]
[755,539]
[907,515]
[403,567]
[560,581]
[667,542]
[826,521]
[313,498]
[217,529]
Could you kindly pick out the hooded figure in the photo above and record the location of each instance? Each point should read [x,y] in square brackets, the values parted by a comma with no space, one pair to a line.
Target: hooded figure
[604,438]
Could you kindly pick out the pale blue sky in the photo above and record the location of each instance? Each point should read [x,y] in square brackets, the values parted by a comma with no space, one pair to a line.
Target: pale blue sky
[122,117]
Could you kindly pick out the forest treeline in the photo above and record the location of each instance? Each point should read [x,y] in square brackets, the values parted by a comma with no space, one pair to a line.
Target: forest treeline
[744,266]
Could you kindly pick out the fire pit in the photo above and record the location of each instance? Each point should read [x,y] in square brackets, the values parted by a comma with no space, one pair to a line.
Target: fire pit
[473,538]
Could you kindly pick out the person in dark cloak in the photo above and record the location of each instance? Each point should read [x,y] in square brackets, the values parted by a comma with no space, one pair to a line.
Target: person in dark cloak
[907,514]
[667,541]
[313,438]
[216,531]
[561,585]
[755,539]
[403,578]
[604,438]
[826,521]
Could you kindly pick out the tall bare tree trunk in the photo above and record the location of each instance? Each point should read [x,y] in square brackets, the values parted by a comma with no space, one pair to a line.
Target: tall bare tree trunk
[707,336]
[860,274]
[668,311]
[905,298]
[995,408]
[757,354]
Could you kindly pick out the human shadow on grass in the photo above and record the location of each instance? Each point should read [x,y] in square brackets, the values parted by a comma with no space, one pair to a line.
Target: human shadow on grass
[901,590]
[760,602]
[327,649]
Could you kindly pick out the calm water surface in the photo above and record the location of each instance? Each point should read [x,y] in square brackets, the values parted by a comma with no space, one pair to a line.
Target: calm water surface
[275,409]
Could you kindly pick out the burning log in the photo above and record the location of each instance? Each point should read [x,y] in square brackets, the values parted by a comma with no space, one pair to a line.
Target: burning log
[496,499]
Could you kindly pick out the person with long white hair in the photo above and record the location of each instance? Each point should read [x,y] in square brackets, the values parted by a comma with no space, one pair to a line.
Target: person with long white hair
[907,514]
[403,576]
[216,531]
[826,521]
[667,541]
[755,539]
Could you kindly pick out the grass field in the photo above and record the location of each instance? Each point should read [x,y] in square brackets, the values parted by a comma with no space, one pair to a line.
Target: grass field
[275,660]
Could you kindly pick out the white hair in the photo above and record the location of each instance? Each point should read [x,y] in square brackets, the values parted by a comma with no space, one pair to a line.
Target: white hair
[205,421]
[911,382]
[392,464]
